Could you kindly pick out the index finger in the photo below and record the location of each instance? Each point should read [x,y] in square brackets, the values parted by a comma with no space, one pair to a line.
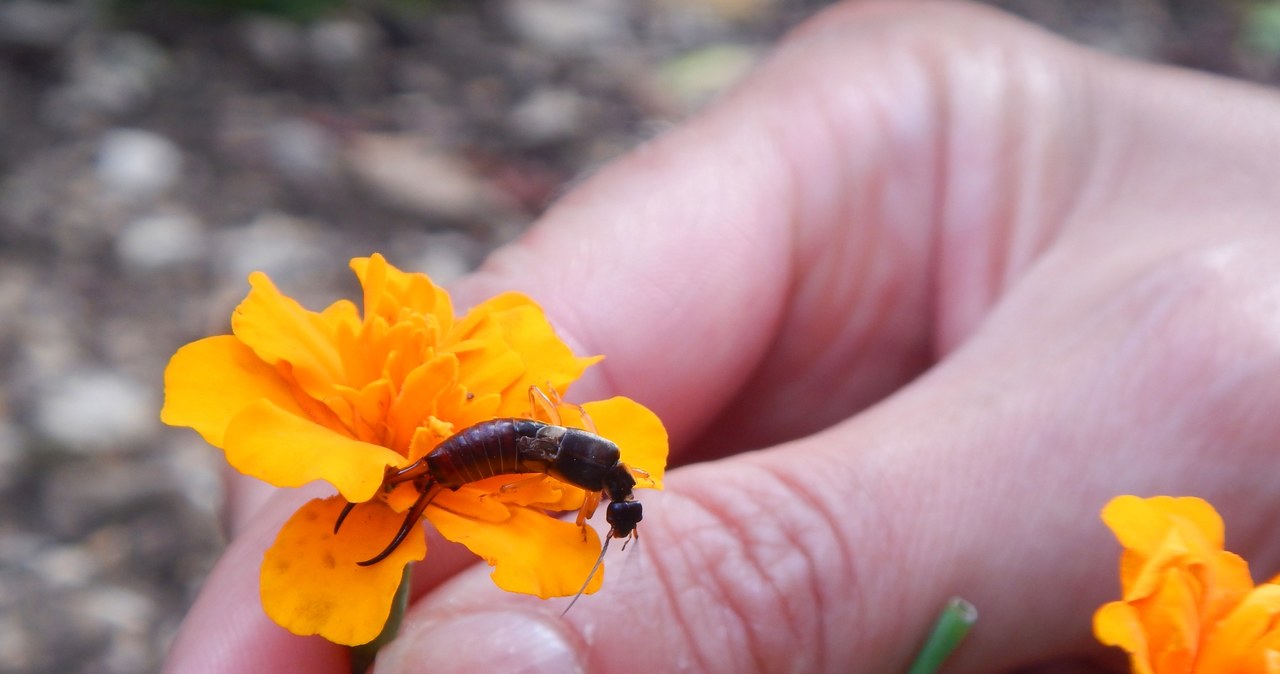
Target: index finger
[685,261]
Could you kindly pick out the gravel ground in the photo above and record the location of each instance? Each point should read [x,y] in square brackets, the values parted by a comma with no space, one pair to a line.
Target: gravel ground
[151,157]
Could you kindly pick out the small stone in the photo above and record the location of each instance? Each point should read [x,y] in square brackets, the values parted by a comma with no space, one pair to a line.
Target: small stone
[16,647]
[288,248]
[302,150]
[128,652]
[547,116]
[110,77]
[196,473]
[418,178]
[445,257]
[91,411]
[274,43]
[120,608]
[78,496]
[340,42]
[137,163]
[17,548]
[43,26]
[568,26]
[161,241]
[65,566]
[48,347]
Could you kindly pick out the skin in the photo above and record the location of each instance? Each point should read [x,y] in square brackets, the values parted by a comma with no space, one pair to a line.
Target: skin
[960,282]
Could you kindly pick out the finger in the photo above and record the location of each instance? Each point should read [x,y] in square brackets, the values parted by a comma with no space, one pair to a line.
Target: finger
[730,267]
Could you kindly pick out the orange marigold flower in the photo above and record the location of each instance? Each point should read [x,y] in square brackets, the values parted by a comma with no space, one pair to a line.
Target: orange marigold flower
[294,396]
[1188,606]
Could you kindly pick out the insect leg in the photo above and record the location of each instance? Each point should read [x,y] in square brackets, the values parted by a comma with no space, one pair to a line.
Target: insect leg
[586,420]
[641,475]
[555,400]
[588,509]
[524,481]
[538,399]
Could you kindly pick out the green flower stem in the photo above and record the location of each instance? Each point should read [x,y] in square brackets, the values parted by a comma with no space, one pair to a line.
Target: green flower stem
[950,629]
[362,656]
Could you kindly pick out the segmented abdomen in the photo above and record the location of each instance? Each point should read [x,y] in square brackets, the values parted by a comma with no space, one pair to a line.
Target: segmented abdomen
[481,451]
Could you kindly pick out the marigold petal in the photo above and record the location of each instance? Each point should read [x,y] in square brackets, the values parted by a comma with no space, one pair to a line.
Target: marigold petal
[1159,533]
[472,503]
[277,328]
[1238,641]
[311,582]
[1143,575]
[416,401]
[520,325]
[286,450]
[209,381]
[465,408]
[531,553]
[1118,624]
[1225,581]
[548,361]
[477,322]
[638,432]
[387,290]
[1142,524]
[493,371]
[1172,623]
[533,489]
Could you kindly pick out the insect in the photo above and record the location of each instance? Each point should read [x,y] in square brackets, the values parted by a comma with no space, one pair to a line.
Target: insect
[514,446]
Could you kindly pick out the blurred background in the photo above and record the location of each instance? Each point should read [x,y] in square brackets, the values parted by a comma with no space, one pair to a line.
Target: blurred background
[152,153]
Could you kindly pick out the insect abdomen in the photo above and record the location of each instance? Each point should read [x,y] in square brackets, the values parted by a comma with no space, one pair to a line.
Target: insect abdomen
[482,451]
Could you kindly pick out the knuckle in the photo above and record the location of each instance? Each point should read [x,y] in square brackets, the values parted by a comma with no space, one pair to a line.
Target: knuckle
[1219,301]
[1199,341]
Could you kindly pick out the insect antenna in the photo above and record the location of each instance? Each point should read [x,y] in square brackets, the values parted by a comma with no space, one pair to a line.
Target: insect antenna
[585,583]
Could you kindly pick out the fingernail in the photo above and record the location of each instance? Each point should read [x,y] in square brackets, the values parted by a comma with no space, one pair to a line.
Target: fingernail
[506,641]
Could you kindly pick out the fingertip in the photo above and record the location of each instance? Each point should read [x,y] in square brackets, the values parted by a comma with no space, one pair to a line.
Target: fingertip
[485,641]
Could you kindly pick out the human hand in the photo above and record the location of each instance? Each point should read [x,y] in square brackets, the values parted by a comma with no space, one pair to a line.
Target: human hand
[961,282]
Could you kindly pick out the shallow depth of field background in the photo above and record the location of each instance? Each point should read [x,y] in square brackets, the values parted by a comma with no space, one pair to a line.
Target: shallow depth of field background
[152,153]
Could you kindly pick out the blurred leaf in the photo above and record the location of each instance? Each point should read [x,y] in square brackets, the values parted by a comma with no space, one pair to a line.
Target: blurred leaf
[1261,27]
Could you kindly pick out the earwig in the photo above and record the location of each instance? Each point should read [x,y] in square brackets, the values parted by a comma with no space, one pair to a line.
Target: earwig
[514,446]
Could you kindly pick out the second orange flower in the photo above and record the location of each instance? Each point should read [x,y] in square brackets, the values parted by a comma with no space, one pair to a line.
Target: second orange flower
[1188,605]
